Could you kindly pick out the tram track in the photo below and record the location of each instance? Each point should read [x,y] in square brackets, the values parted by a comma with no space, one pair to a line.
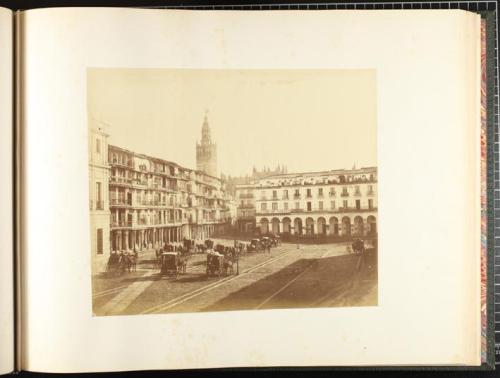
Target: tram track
[192,294]
[115,290]
[289,283]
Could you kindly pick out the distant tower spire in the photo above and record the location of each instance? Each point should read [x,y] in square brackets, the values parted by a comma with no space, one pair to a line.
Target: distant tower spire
[205,130]
[206,151]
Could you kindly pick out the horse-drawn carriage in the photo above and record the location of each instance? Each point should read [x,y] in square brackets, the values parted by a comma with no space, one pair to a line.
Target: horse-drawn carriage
[120,262]
[173,263]
[221,263]
[266,243]
[255,245]
[189,244]
[275,240]
[358,246]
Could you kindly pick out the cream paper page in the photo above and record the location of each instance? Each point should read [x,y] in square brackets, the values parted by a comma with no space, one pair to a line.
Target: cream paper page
[426,70]
[6,195]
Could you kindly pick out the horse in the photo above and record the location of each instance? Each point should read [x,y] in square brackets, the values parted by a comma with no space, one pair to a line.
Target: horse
[230,258]
[130,261]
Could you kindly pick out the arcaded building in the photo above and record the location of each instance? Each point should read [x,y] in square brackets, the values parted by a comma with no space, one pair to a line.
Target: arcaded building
[329,203]
[139,201]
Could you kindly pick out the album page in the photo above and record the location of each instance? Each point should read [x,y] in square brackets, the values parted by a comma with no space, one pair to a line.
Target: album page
[229,189]
[6,195]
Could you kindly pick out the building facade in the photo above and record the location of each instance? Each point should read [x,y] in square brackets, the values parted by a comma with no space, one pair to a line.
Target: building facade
[245,213]
[206,152]
[330,203]
[138,201]
[98,192]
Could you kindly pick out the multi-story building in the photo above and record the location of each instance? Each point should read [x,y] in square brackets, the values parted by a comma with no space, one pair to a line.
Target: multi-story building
[335,203]
[138,201]
[245,213]
[98,193]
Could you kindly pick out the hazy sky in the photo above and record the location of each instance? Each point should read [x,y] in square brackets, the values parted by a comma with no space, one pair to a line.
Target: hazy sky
[306,119]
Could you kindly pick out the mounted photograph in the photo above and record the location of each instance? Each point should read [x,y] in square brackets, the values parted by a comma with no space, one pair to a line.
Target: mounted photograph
[220,189]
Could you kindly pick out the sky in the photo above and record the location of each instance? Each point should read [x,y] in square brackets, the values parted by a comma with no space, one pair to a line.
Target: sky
[308,120]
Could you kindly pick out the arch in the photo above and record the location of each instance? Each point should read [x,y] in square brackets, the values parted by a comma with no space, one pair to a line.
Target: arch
[275,226]
[297,226]
[287,223]
[264,226]
[358,226]
[334,226]
[321,225]
[346,226]
[372,225]
[309,226]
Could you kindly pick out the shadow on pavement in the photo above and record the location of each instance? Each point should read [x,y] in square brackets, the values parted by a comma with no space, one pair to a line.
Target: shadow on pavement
[310,283]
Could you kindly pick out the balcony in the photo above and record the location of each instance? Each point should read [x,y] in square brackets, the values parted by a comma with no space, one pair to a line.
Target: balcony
[119,202]
[246,206]
[273,211]
[332,194]
[121,223]
[99,205]
[344,194]
[357,193]
[296,196]
[370,193]
[127,164]
[120,180]
[246,195]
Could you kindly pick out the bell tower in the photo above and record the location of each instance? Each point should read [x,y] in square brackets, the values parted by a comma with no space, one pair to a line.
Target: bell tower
[206,151]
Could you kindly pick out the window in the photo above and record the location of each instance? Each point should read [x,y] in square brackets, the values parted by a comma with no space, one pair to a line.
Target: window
[332,205]
[309,192]
[345,205]
[309,207]
[370,203]
[358,204]
[98,145]
[285,205]
[285,194]
[297,205]
[275,205]
[263,206]
[99,241]
[98,194]
[357,192]
[297,193]
[275,194]
[320,191]
[320,205]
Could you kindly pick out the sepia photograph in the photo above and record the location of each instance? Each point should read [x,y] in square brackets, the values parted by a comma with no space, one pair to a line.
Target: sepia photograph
[221,189]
